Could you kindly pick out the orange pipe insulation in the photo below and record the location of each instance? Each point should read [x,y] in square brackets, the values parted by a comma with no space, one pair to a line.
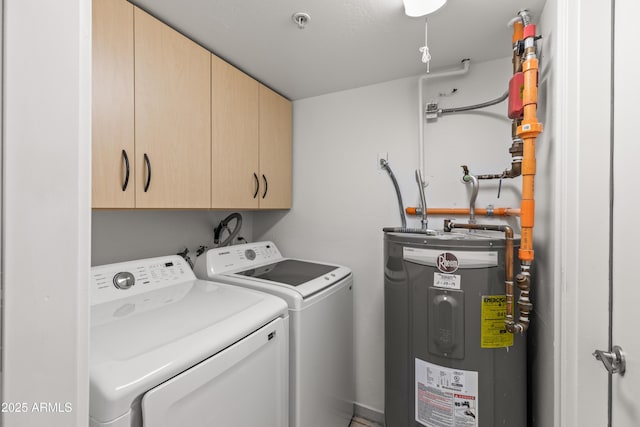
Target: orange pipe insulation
[465,211]
[528,131]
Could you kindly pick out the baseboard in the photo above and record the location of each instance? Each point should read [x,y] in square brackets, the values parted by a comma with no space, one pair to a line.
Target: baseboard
[368,413]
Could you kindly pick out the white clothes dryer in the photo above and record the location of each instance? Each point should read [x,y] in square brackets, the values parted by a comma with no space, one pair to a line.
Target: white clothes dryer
[320,299]
[169,350]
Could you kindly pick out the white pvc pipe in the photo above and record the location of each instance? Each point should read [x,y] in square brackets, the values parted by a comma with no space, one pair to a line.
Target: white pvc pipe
[421,118]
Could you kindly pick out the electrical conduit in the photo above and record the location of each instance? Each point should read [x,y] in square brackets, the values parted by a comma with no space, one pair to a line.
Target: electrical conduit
[421,117]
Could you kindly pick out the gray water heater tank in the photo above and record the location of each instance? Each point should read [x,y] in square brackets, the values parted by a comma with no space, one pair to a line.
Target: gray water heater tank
[449,361]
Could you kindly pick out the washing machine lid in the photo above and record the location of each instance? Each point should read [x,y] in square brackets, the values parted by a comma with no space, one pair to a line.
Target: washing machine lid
[141,341]
[260,265]
[293,272]
[304,277]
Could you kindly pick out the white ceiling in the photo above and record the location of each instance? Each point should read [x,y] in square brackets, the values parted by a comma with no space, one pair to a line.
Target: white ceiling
[347,43]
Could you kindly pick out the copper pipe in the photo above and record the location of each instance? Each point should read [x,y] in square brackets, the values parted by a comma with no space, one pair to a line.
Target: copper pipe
[489,212]
[524,305]
[517,151]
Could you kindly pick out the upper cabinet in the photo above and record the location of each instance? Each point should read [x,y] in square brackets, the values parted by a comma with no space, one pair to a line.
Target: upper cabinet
[172,117]
[275,150]
[112,105]
[177,127]
[251,142]
[235,154]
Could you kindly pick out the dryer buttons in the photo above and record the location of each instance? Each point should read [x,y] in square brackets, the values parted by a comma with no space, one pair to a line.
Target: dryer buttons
[250,254]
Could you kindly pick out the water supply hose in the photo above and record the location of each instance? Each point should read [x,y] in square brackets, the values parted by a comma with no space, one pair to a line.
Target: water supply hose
[385,165]
[423,199]
[409,230]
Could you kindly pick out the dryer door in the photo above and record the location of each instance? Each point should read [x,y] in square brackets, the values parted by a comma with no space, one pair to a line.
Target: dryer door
[244,385]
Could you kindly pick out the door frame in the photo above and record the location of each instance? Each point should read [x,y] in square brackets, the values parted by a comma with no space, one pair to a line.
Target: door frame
[583,114]
[46,211]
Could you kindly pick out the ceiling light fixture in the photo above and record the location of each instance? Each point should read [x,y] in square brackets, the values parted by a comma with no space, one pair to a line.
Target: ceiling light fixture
[416,8]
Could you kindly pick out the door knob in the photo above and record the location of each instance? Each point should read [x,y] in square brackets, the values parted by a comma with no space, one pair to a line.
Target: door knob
[613,361]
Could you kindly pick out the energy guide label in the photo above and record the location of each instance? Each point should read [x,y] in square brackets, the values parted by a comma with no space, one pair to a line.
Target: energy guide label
[448,281]
[493,332]
[445,397]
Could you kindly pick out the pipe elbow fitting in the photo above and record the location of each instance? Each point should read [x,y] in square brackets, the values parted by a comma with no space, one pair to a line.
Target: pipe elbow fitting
[523,281]
[515,328]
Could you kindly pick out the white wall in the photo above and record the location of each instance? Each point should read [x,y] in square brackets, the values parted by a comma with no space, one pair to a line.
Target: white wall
[46,219]
[342,201]
[543,355]
[125,235]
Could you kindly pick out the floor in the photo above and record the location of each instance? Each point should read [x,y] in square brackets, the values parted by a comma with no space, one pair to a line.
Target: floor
[361,422]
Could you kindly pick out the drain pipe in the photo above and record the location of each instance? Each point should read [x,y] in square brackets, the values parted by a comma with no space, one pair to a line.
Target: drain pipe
[421,117]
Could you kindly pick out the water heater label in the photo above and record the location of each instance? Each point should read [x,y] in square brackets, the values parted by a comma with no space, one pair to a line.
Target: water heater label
[449,281]
[445,397]
[449,262]
[493,332]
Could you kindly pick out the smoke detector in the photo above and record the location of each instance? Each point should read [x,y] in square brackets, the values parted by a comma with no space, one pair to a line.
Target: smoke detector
[301,19]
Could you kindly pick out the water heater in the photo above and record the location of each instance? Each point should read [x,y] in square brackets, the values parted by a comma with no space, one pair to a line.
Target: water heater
[449,361]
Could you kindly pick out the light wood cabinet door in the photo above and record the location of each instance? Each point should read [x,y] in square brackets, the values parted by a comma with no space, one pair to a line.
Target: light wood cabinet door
[235,169]
[173,117]
[275,150]
[112,105]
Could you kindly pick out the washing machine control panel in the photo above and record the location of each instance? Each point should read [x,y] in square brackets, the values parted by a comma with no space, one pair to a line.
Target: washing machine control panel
[234,258]
[122,280]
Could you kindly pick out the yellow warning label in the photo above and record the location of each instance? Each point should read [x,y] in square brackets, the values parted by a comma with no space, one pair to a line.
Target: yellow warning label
[493,333]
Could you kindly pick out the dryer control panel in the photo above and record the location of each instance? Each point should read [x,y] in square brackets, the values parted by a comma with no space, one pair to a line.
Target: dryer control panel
[122,280]
[234,258]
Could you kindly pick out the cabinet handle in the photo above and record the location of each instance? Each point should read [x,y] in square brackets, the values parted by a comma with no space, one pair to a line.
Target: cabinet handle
[255,194]
[266,186]
[148,182]
[126,174]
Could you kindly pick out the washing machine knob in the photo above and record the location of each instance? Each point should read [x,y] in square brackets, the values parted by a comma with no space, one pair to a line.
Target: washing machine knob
[124,280]
[250,254]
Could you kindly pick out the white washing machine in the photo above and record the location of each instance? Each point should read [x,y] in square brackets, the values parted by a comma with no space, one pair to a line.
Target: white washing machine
[320,299]
[170,350]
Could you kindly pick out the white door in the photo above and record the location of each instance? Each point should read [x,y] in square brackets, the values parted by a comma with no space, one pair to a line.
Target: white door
[625,406]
